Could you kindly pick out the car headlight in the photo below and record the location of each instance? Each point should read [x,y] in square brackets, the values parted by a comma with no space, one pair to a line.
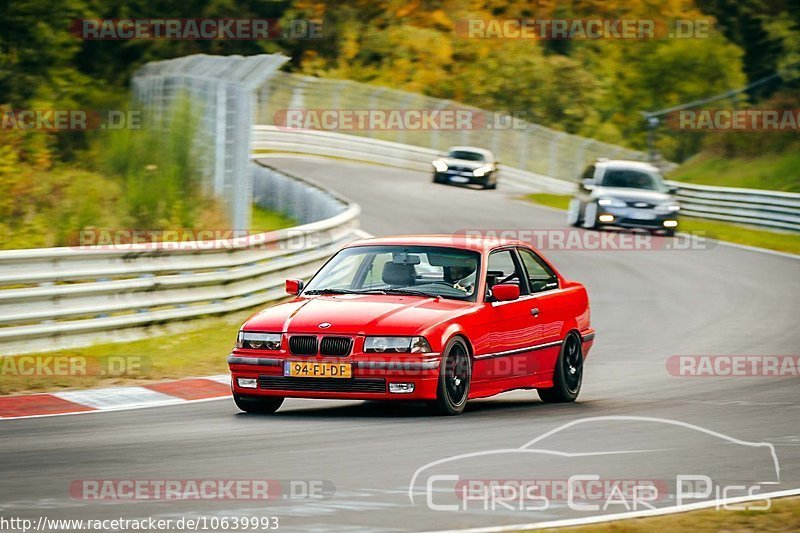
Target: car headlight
[259,341]
[611,202]
[396,345]
[668,207]
[481,171]
[440,165]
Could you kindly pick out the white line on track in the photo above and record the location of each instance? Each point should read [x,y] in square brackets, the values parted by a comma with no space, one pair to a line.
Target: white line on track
[572,522]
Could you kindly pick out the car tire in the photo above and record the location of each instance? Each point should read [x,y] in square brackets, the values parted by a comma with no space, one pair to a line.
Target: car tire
[568,373]
[491,186]
[258,405]
[669,233]
[437,179]
[590,216]
[455,374]
[574,213]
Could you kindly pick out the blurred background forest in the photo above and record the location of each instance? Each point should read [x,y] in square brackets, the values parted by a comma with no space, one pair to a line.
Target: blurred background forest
[594,88]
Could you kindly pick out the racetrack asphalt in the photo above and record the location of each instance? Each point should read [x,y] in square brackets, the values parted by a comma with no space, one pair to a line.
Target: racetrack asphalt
[647,305]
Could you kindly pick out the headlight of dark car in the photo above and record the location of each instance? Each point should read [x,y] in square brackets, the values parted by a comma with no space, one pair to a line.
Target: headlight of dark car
[611,202]
[481,171]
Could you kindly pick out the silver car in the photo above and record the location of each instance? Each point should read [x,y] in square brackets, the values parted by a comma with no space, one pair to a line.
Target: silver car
[627,194]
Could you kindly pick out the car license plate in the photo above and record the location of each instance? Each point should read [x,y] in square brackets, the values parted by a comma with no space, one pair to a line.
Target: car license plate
[459,179]
[317,370]
[642,215]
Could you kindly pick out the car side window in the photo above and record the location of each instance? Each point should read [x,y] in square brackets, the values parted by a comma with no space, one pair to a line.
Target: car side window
[540,277]
[502,268]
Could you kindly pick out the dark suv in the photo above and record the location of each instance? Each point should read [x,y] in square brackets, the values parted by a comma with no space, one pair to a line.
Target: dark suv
[627,194]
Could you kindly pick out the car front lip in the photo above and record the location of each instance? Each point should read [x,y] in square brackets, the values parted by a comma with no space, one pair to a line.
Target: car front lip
[468,175]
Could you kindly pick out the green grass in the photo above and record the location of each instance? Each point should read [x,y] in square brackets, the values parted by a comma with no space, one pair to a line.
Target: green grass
[557,201]
[266,220]
[783,516]
[779,172]
[201,349]
[724,231]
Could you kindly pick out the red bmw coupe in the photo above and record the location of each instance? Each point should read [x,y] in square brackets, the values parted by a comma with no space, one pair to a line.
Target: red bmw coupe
[434,318]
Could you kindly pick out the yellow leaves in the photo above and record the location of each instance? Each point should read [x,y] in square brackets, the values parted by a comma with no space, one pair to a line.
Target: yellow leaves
[440,18]
[407,9]
[30,146]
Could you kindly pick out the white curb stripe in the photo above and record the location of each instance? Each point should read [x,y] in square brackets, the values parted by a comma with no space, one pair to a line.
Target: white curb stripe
[117,397]
[171,402]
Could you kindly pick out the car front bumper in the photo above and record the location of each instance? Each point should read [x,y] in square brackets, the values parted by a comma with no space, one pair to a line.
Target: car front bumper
[370,379]
[463,178]
[630,217]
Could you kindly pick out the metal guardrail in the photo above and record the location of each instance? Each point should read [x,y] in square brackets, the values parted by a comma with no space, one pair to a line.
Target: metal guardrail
[517,143]
[772,209]
[60,297]
[272,139]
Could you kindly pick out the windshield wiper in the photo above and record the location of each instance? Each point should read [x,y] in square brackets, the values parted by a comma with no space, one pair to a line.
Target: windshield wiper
[332,291]
[411,292]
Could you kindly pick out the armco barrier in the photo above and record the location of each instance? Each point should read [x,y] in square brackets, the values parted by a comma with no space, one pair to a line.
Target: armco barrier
[779,210]
[772,209]
[60,297]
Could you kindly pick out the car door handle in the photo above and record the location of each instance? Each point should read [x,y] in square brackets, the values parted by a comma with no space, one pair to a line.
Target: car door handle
[535,311]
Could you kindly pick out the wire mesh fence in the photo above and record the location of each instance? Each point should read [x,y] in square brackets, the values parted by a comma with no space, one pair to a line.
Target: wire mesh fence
[515,142]
[221,90]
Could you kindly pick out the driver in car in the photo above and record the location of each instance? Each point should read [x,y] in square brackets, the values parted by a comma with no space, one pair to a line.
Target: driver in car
[463,278]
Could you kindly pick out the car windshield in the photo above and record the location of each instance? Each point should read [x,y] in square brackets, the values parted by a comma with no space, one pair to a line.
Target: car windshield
[426,271]
[632,179]
[465,155]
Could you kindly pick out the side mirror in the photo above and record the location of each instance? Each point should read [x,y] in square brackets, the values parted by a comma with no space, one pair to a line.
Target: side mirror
[672,190]
[587,184]
[294,286]
[505,292]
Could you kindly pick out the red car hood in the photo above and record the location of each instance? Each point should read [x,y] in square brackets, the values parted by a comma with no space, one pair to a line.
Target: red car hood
[357,314]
